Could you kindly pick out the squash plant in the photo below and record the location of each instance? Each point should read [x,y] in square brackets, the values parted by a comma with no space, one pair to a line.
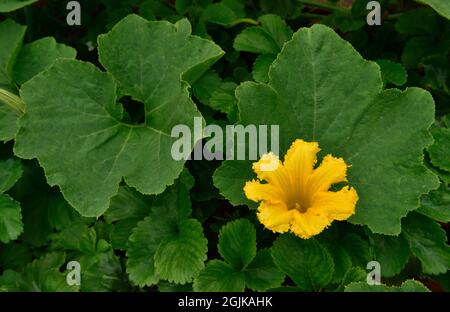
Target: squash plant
[87,173]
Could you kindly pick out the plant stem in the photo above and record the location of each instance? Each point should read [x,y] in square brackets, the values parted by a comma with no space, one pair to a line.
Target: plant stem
[12,101]
[243,20]
[322,5]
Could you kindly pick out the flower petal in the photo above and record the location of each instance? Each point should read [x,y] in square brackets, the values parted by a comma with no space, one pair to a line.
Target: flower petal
[270,169]
[309,223]
[338,205]
[256,191]
[275,216]
[332,170]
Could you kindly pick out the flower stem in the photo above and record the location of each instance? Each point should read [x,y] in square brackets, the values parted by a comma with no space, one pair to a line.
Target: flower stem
[12,101]
[323,5]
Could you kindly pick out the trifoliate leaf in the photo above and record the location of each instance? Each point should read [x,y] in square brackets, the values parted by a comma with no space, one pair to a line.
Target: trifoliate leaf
[219,276]
[440,150]
[11,225]
[268,38]
[262,274]
[407,286]
[436,204]
[341,106]
[392,72]
[342,261]
[358,248]
[261,67]
[237,243]
[306,262]
[167,244]
[43,275]
[10,172]
[11,38]
[391,252]
[179,257]
[441,6]
[90,121]
[12,5]
[427,241]
[38,56]
[352,275]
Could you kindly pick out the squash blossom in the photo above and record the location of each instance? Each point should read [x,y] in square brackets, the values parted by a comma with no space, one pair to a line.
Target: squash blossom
[296,195]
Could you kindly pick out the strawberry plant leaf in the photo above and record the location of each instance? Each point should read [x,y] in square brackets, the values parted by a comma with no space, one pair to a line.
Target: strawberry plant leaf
[10,172]
[436,204]
[38,56]
[12,5]
[262,274]
[391,252]
[348,114]
[11,225]
[407,286]
[427,241]
[219,276]
[306,262]
[261,67]
[268,38]
[237,243]
[91,120]
[167,244]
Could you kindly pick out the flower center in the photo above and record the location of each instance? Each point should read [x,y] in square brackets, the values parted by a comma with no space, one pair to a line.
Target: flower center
[302,208]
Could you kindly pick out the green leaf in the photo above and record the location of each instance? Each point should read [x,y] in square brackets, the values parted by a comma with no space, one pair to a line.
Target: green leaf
[262,274]
[10,172]
[15,256]
[219,276]
[342,261]
[261,67]
[439,151]
[350,117]
[352,275]
[225,12]
[358,248]
[306,262]
[268,38]
[407,286]
[12,5]
[391,252]
[427,241]
[167,244]
[89,120]
[11,225]
[38,56]
[8,123]
[180,257]
[237,243]
[436,205]
[11,38]
[9,281]
[441,6]
[392,72]
[407,22]
[43,275]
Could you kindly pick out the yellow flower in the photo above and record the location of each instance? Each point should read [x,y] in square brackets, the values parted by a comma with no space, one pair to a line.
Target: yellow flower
[295,196]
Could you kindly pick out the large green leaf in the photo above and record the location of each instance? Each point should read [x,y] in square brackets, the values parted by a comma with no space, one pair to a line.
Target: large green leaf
[83,113]
[341,105]
[12,5]
[11,225]
[407,286]
[38,56]
[427,241]
[441,6]
[262,274]
[219,276]
[11,38]
[306,262]
[237,243]
[167,244]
